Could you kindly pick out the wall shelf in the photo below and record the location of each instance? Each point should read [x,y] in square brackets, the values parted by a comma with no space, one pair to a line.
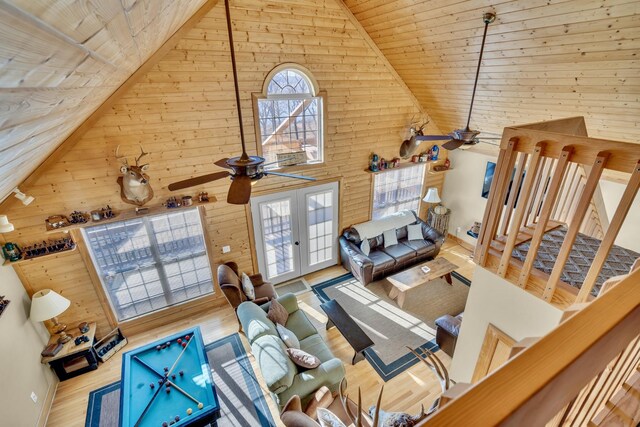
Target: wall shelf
[41,257]
[401,166]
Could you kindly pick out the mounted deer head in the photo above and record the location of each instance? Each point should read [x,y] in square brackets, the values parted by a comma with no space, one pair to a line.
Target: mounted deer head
[134,182]
[409,146]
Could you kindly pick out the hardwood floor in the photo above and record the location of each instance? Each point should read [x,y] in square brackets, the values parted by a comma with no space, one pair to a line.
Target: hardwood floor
[406,392]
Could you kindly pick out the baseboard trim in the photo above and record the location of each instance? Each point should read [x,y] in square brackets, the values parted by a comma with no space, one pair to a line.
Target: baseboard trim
[462,243]
[47,404]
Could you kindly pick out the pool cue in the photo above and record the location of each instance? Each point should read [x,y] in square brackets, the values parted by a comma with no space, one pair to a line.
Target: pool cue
[147,408]
[178,359]
[183,392]
[136,358]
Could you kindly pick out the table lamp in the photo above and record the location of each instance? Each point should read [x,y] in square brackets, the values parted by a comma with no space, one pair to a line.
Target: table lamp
[433,198]
[5,225]
[47,304]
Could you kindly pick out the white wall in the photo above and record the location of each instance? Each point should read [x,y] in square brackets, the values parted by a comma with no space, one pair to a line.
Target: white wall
[628,236]
[21,372]
[512,310]
[462,192]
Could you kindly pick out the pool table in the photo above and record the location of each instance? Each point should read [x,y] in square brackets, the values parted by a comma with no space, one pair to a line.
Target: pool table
[168,382]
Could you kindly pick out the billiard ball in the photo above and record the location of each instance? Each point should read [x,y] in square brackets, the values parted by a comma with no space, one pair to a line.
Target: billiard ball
[177,418]
[189,411]
[187,337]
[166,369]
[168,389]
[152,385]
[158,347]
[200,405]
[173,376]
[179,341]
[160,382]
[168,343]
[181,373]
[165,424]
[184,344]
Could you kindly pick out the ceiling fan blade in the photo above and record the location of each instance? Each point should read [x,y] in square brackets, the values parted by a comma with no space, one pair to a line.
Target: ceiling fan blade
[192,182]
[453,144]
[240,190]
[432,137]
[222,163]
[288,175]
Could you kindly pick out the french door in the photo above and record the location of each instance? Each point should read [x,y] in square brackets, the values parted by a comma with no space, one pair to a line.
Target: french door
[296,231]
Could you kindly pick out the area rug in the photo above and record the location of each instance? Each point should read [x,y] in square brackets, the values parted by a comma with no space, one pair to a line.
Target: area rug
[391,328]
[583,251]
[241,399]
[295,286]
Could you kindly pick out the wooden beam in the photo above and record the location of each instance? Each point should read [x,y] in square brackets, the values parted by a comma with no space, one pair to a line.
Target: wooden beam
[610,236]
[68,144]
[574,225]
[545,215]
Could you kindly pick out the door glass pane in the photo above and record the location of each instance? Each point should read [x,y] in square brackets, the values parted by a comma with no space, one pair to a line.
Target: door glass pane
[320,222]
[278,240]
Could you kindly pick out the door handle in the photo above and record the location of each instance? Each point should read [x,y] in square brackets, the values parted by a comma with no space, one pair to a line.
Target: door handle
[297,243]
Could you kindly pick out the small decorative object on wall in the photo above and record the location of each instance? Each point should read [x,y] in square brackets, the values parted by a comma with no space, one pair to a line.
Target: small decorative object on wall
[84,327]
[434,153]
[203,197]
[396,162]
[187,201]
[374,165]
[444,167]
[102,214]
[48,247]
[77,217]
[55,222]
[172,203]
[142,211]
[383,164]
[11,252]
[415,158]
[134,182]
[3,304]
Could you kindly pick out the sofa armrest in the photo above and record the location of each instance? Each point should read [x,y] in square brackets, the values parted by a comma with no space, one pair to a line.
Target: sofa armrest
[431,234]
[233,294]
[256,279]
[356,261]
[450,324]
[328,374]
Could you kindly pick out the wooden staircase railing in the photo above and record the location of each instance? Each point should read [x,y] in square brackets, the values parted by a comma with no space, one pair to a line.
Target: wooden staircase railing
[546,175]
[584,372]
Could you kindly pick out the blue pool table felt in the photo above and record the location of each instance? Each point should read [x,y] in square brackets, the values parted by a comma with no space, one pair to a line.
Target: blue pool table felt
[196,381]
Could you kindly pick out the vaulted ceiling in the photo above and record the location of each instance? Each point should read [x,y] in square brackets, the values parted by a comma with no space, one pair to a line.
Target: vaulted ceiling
[59,60]
[544,59]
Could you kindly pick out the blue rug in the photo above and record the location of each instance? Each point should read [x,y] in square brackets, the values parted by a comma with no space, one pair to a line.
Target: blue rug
[392,328]
[241,399]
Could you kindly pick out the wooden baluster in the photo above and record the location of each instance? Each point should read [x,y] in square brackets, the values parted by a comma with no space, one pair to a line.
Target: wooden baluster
[612,232]
[534,193]
[563,191]
[540,193]
[574,226]
[511,204]
[525,194]
[495,208]
[545,214]
[569,192]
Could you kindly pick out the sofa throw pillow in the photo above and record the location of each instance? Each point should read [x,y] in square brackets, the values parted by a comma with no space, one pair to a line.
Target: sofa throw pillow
[364,247]
[247,287]
[326,418]
[390,238]
[414,232]
[277,313]
[302,358]
[288,337]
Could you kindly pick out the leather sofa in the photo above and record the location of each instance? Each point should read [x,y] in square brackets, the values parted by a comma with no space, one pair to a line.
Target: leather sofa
[447,331]
[283,377]
[381,261]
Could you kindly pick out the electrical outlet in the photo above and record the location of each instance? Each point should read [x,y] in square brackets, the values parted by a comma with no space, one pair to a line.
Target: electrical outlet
[226,249]
[34,397]
[458,230]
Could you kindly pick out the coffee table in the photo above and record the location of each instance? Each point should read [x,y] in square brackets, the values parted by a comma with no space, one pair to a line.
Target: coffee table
[355,336]
[412,278]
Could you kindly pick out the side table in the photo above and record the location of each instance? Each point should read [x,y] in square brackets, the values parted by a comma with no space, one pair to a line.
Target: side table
[73,360]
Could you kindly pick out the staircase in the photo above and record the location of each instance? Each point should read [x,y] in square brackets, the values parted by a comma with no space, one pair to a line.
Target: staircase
[623,409]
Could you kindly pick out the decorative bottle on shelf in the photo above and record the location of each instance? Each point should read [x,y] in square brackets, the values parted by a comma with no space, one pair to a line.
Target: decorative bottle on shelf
[434,152]
[373,166]
[12,252]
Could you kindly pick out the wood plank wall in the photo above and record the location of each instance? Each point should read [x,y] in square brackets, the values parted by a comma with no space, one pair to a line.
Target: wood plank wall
[60,60]
[544,59]
[183,112]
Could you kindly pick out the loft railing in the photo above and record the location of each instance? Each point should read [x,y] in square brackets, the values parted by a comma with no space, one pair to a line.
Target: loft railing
[569,377]
[557,171]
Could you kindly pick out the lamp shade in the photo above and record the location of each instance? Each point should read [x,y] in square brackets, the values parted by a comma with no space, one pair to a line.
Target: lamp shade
[432,196]
[47,304]
[5,225]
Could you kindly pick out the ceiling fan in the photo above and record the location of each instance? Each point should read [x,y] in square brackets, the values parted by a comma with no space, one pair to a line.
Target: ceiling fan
[458,137]
[244,170]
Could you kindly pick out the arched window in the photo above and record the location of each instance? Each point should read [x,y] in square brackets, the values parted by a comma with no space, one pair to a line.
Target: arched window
[289,116]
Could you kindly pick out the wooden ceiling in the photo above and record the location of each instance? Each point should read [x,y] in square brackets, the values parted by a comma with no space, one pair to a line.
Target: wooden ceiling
[544,59]
[59,60]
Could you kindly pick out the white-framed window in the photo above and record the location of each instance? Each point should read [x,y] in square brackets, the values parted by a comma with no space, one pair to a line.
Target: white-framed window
[152,262]
[289,117]
[397,189]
